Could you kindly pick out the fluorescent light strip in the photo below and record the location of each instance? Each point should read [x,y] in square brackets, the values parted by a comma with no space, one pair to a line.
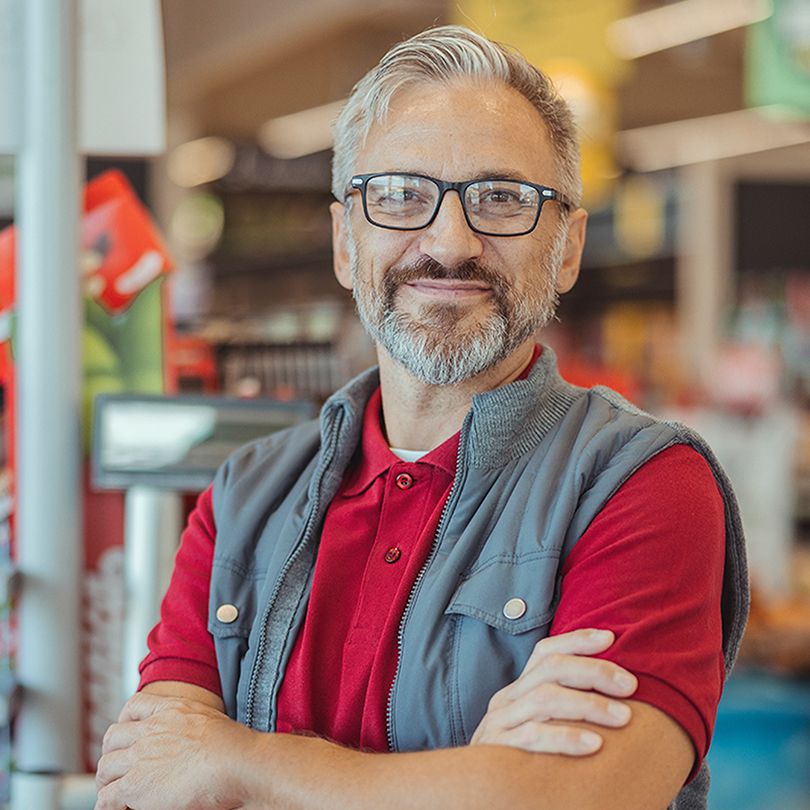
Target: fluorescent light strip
[301,133]
[713,137]
[682,22]
[200,161]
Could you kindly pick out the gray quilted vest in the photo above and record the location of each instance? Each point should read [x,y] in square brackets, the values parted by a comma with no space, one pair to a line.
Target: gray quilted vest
[538,459]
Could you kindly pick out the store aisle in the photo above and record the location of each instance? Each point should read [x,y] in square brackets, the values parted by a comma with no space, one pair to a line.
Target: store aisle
[760,754]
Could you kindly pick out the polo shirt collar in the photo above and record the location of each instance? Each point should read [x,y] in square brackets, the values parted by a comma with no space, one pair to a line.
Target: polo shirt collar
[374,456]
[502,424]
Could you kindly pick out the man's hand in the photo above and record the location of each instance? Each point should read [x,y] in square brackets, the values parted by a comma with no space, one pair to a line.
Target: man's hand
[559,683]
[172,752]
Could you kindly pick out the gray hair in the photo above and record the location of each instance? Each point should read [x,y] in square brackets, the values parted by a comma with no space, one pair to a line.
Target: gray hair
[445,54]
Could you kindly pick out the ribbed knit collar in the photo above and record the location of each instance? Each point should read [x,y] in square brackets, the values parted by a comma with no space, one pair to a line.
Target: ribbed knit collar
[502,424]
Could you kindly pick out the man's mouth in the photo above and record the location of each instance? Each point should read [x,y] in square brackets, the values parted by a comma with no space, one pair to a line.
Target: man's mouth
[448,288]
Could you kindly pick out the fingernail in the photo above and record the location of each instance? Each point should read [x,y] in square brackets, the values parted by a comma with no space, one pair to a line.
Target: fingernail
[624,680]
[601,635]
[619,711]
[589,741]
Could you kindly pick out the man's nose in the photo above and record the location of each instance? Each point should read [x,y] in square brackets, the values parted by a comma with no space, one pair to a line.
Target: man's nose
[449,239]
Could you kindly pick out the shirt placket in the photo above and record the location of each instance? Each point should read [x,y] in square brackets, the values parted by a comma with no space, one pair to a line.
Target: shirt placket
[401,517]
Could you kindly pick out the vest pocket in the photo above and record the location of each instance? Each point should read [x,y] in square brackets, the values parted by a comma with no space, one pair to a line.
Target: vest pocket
[499,612]
[231,613]
[512,594]
[232,600]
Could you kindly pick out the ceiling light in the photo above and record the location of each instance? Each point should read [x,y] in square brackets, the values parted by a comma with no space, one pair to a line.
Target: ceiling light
[682,22]
[301,133]
[713,137]
[200,161]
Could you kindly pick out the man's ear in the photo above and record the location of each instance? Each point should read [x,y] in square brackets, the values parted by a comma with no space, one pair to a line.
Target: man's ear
[574,245]
[340,245]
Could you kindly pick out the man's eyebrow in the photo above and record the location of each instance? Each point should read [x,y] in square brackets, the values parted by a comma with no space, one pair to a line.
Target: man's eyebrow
[510,174]
[486,174]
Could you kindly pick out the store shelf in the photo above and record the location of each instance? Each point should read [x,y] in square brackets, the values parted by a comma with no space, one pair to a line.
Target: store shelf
[9,698]
[9,582]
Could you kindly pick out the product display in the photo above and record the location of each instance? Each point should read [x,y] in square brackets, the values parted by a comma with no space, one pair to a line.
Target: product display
[124,267]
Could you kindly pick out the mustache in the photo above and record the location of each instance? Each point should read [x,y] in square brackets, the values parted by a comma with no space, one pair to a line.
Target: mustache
[426,267]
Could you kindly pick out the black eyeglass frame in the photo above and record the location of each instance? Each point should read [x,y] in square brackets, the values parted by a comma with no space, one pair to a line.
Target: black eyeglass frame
[360,181]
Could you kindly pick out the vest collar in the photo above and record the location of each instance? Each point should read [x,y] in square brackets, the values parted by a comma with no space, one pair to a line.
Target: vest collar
[503,423]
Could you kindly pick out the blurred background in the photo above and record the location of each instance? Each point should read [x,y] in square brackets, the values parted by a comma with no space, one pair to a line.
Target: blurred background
[694,298]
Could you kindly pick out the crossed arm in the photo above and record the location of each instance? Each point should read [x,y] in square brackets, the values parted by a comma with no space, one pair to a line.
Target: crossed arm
[173,747]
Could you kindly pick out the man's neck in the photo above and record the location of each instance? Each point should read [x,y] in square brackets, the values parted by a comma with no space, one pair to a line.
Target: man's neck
[419,416]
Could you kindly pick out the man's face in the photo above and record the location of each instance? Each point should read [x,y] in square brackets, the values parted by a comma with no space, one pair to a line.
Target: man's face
[445,302]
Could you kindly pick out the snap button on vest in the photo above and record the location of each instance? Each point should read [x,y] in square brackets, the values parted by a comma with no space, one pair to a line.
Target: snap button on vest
[514,608]
[227,613]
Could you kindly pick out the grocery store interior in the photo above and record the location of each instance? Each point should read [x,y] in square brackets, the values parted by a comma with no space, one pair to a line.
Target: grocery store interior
[200,133]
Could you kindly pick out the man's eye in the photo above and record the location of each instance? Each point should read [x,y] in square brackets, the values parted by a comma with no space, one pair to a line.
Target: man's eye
[403,196]
[501,196]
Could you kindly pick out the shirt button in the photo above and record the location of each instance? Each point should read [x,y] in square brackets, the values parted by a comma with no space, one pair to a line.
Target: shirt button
[514,608]
[227,613]
[404,481]
[392,555]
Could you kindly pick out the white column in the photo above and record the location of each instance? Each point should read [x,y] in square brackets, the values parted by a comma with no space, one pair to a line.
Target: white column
[153,521]
[703,269]
[48,738]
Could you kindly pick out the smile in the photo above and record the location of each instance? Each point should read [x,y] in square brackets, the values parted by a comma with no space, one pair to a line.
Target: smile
[449,288]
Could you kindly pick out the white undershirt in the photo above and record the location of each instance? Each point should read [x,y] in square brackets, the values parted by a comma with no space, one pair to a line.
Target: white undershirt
[408,455]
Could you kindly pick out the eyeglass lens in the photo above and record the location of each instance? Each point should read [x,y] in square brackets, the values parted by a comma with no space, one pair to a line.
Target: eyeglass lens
[494,206]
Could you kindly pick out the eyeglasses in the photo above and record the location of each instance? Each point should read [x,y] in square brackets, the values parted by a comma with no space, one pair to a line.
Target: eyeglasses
[493,207]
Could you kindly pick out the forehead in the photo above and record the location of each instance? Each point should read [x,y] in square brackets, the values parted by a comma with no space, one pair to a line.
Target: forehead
[459,131]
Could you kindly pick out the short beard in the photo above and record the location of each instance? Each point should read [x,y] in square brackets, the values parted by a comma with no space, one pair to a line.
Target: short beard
[437,348]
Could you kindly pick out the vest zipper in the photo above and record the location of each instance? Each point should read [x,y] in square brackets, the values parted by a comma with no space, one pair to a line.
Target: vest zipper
[326,460]
[389,714]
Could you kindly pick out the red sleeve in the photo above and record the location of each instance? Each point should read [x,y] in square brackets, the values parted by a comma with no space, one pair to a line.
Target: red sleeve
[650,568]
[180,646]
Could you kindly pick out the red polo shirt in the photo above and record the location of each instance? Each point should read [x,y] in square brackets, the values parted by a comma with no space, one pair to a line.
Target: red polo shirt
[377,534]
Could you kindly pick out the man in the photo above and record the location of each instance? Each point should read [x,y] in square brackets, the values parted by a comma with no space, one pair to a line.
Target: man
[409,585]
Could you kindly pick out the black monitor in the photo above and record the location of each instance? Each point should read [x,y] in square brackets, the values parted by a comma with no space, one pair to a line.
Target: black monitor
[178,442]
